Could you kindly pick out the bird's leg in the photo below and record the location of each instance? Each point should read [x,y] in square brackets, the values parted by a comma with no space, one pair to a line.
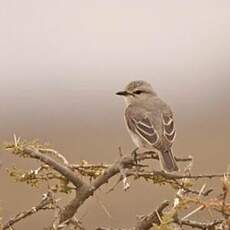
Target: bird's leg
[134,154]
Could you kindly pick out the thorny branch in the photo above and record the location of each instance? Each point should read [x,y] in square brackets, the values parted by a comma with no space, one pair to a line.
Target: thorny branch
[146,222]
[62,169]
[46,203]
[200,225]
[100,174]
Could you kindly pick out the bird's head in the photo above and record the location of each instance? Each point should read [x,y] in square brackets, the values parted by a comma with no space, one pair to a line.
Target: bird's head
[137,91]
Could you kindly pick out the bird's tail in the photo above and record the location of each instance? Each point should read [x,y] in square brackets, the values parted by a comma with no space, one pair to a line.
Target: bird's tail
[168,161]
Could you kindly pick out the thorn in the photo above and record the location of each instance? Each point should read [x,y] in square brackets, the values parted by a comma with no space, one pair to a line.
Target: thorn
[159,217]
[34,209]
[16,140]
[44,196]
[126,184]
[120,151]
[193,212]
[202,190]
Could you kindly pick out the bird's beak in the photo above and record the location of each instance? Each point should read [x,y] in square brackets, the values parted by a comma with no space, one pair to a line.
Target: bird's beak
[123,93]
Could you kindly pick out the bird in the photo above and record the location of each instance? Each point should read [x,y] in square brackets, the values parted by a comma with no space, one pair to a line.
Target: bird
[150,122]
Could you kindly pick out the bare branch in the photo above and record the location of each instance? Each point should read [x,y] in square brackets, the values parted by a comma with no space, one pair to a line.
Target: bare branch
[154,155]
[146,222]
[155,173]
[64,170]
[55,153]
[85,192]
[43,205]
[199,225]
[127,166]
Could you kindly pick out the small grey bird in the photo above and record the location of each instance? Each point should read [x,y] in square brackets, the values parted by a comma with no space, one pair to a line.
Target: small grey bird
[150,122]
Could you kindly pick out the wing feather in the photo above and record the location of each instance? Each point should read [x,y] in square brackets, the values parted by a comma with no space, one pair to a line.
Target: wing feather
[169,127]
[140,124]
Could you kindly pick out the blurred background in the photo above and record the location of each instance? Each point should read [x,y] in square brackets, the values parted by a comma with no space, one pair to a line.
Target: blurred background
[63,61]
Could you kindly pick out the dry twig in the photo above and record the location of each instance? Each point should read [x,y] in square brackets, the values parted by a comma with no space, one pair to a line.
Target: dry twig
[46,203]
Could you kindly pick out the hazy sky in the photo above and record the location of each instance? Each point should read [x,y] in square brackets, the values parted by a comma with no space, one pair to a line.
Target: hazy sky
[104,44]
[79,53]
[72,51]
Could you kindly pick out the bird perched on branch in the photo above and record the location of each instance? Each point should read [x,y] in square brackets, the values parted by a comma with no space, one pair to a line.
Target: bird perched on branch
[150,122]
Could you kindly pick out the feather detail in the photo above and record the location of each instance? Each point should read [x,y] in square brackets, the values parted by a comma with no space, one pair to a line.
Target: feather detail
[169,128]
[146,130]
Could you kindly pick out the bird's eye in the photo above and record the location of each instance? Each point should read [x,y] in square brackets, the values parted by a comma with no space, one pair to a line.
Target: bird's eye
[138,92]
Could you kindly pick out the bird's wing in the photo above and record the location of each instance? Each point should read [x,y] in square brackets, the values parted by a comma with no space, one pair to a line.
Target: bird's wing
[169,130]
[138,122]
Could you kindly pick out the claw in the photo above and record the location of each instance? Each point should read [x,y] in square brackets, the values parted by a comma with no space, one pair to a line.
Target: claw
[134,154]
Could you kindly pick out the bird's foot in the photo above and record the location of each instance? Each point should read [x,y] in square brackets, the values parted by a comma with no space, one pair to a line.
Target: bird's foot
[134,155]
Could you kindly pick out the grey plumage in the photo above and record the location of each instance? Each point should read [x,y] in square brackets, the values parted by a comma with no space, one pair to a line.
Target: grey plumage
[150,121]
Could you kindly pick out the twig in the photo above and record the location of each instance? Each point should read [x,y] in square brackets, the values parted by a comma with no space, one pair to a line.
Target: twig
[84,192]
[193,212]
[55,153]
[146,222]
[43,205]
[225,188]
[184,159]
[174,176]
[89,166]
[65,171]
[189,190]
[154,155]
[73,221]
[199,225]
